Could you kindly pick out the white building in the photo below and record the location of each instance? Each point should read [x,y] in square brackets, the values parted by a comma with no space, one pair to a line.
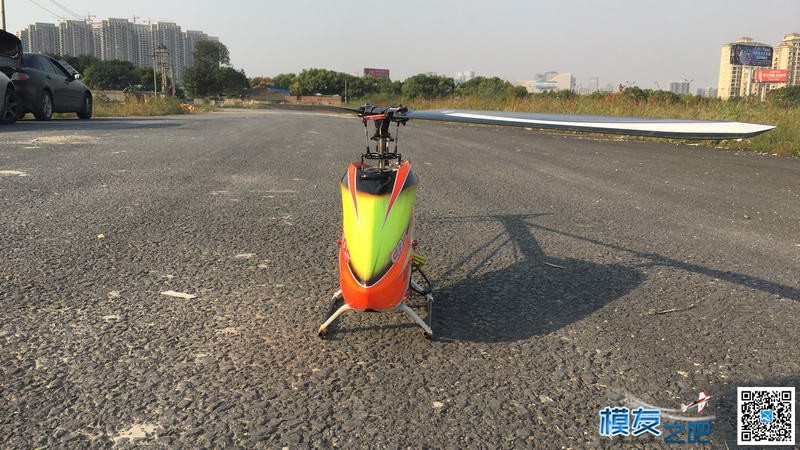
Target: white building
[75,38]
[191,38]
[116,40]
[170,35]
[549,82]
[679,87]
[39,38]
[142,52]
[463,77]
[594,84]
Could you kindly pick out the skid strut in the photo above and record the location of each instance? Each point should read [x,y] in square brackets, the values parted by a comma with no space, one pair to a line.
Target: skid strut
[426,327]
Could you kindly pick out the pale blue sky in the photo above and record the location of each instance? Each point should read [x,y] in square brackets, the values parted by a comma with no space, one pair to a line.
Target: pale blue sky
[624,40]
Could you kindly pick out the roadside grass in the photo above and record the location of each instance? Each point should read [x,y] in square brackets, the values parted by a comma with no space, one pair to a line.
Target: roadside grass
[151,107]
[784,140]
[162,106]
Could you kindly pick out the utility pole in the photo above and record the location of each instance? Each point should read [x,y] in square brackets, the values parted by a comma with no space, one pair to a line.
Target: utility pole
[161,61]
[3,13]
[155,79]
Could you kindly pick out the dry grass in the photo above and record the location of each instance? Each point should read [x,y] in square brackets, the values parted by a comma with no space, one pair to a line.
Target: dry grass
[784,140]
[151,107]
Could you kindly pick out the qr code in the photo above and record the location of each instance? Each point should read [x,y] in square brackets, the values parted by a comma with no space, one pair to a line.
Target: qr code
[765,416]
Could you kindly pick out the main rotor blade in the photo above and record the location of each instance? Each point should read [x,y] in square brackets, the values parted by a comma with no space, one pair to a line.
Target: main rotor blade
[636,126]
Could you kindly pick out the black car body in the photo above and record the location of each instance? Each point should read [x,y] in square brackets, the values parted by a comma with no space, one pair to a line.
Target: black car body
[43,84]
[9,101]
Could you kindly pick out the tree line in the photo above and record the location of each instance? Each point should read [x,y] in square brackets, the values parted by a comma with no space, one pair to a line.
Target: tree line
[211,75]
[329,82]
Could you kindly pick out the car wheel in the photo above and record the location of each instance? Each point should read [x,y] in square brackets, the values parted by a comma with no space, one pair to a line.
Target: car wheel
[11,107]
[45,111]
[86,112]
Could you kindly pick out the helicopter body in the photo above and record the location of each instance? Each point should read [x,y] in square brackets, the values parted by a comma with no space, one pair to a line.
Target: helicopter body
[378,232]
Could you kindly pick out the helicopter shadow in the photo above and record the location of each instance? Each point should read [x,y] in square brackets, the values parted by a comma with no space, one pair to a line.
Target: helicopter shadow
[535,295]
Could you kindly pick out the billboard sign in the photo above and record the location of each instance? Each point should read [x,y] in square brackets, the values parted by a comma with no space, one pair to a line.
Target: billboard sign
[376,73]
[751,55]
[771,76]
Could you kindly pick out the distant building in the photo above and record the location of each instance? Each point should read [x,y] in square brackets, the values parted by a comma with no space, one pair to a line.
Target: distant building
[787,57]
[143,47]
[116,39]
[538,86]
[463,77]
[733,79]
[710,92]
[39,38]
[169,35]
[565,81]
[679,87]
[554,81]
[594,84]
[192,38]
[75,37]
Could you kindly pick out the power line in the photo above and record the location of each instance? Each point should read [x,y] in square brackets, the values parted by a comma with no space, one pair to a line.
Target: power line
[65,9]
[51,12]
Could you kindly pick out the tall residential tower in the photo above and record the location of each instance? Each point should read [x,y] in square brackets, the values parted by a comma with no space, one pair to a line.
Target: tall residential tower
[733,78]
[787,57]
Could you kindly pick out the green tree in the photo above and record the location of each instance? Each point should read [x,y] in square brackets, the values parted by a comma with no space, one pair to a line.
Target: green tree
[110,75]
[233,81]
[211,74]
[787,97]
[490,88]
[284,80]
[520,92]
[428,86]
[318,81]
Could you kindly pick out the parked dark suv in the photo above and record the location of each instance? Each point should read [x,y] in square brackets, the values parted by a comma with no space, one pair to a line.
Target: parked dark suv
[45,85]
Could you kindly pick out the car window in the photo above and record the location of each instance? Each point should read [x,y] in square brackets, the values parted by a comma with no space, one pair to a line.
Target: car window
[56,68]
[68,66]
[34,62]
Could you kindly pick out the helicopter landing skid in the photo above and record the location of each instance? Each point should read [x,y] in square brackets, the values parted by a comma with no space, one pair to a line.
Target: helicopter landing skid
[426,327]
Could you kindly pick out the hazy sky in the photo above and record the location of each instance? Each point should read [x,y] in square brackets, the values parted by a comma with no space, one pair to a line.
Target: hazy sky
[617,40]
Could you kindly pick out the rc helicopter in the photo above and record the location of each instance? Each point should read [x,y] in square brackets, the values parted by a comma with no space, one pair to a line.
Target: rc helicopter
[379,268]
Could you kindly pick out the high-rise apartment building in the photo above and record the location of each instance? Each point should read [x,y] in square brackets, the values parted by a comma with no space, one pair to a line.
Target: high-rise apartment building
[97,31]
[594,84]
[734,79]
[143,47]
[787,57]
[39,37]
[75,38]
[116,39]
[679,87]
[169,35]
[463,77]
[191,38]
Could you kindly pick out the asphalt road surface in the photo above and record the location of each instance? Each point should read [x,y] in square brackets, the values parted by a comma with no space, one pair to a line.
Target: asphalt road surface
[571,273]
